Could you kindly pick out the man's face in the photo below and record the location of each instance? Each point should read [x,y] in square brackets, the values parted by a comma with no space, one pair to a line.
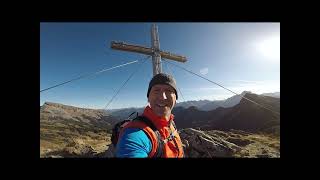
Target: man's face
[162,99]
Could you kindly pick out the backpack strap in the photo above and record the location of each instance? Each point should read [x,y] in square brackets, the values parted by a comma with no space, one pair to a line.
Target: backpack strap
[160,143]
[154,135]
[174,125]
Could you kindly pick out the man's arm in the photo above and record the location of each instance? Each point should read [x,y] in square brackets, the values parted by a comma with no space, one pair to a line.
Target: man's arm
[133,143]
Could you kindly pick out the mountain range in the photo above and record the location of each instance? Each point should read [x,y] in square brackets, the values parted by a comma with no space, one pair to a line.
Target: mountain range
[67,131]
[203,105]
[245,116]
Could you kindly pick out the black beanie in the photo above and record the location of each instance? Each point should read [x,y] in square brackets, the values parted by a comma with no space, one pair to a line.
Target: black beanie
[162,78]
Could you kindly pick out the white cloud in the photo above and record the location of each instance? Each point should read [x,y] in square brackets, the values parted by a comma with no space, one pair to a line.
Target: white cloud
[204,71]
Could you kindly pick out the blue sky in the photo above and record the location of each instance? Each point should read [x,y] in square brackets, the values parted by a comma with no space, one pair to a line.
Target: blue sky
[239,56]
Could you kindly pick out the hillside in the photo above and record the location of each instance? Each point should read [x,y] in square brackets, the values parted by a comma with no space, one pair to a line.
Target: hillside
[63,127]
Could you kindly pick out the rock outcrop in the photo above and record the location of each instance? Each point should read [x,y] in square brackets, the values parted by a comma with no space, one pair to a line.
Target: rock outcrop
[217,144]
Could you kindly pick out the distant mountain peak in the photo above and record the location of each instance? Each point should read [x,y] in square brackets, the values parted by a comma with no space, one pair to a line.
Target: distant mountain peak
[193,108]
[273,94]
[246,92]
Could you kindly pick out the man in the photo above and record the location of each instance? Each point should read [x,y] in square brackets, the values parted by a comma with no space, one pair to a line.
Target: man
[140,140]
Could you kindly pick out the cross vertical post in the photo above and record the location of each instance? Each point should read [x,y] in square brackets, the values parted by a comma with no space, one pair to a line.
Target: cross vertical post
[156,58]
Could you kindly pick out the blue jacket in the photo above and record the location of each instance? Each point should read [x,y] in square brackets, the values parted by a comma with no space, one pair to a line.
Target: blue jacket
[134,143]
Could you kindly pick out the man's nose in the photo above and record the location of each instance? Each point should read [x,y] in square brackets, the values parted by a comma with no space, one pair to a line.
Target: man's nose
[164,95]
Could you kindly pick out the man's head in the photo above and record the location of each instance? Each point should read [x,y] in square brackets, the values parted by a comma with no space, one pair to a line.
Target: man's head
[162,94]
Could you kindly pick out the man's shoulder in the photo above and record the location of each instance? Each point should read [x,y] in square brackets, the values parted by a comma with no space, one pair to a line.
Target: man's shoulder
[134,143]
[133,130]
[134,133]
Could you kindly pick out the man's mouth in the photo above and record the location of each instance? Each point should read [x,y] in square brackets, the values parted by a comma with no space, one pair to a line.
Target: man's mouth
[161,105]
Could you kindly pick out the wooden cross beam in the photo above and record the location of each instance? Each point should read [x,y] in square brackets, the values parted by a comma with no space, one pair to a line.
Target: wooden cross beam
[154,51]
